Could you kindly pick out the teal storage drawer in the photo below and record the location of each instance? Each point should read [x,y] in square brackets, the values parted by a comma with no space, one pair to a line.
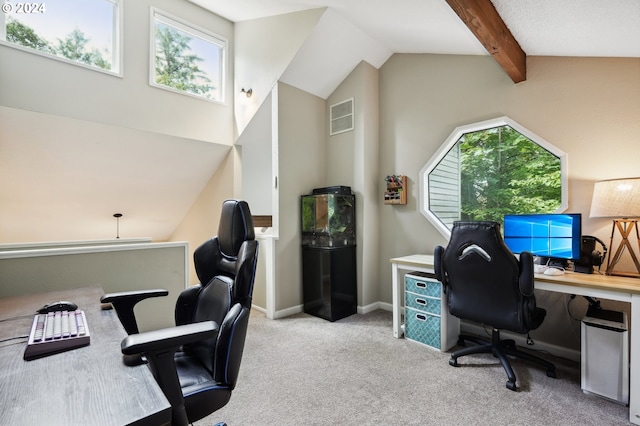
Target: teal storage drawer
[422,327]
[422,285]
[420,302]
[426,317]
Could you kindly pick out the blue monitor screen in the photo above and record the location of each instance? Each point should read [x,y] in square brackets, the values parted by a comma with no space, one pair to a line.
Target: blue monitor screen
[549,235]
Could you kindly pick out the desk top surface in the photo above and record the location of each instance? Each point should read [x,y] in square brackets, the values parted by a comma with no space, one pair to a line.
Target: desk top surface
[88,385]
[575,279]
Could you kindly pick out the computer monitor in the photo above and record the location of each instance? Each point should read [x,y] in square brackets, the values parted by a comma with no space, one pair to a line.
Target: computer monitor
[555,237]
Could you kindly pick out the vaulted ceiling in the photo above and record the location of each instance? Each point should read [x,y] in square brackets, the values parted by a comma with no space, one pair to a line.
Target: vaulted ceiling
[608,28]
[507,29]
[541,28]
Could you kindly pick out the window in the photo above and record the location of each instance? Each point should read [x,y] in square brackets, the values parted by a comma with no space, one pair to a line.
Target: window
[486,170]
[85,33]
[186,59]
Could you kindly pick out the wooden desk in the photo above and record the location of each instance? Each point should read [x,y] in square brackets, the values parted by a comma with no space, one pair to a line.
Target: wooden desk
[84,386]
[601,286]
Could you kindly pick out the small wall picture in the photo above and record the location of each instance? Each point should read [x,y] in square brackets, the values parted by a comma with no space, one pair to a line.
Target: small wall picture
[396,189]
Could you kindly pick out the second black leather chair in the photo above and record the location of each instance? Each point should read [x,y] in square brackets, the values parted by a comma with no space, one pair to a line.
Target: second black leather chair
[485,283]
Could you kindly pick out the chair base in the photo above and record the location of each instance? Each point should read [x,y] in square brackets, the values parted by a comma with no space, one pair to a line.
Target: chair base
[500,349]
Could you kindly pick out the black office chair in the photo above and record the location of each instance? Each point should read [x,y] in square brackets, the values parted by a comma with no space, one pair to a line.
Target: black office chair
[197,362]
[485,283]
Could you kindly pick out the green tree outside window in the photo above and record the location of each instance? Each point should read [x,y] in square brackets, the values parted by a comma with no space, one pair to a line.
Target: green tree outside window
[72,47]
[488,169]
[175,66]
[517,175]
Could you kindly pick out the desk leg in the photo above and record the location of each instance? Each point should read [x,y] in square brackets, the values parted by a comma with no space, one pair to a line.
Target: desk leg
[396,290]
[634,373]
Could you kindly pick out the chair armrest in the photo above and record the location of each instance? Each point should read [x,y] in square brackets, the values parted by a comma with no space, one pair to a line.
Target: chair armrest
[159,347]
[526,280]
[168,338]
[135,294]
[437,266]
[124,302]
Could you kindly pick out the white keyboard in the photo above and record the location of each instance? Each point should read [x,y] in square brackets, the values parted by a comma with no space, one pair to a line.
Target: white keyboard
[57,332]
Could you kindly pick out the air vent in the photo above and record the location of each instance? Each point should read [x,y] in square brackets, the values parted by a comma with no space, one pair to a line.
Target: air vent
[341,117]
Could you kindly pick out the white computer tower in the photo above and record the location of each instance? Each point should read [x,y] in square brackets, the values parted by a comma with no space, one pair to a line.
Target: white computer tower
[605,355]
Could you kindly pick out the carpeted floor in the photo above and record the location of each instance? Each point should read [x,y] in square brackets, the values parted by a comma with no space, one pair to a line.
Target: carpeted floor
[303,370]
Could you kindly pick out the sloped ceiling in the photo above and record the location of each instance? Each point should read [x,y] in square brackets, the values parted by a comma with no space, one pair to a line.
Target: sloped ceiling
[606,28]
[152,182]
[330,53]
[409,26]
[588,28]
[599,28]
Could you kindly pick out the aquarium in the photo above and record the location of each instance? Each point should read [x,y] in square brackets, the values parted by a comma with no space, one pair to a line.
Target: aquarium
[328,217]
[329,279]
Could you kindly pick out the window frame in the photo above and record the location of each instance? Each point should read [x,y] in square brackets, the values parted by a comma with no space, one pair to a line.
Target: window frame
[189,28]
[452,140]
[118,50]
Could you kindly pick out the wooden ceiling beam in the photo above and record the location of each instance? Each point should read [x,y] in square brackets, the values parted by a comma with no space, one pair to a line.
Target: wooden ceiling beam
[481,17]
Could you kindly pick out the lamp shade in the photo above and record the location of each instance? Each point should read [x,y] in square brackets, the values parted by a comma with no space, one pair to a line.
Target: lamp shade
[618,198]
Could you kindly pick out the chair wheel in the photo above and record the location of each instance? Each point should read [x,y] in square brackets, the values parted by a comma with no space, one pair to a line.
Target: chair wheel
[512,386]
[453,362]
[551,373]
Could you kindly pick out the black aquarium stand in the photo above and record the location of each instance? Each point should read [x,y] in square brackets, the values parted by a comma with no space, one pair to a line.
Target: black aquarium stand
[329,281]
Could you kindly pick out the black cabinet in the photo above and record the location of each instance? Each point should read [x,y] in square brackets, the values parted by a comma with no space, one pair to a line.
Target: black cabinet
[329,253]
[329,281]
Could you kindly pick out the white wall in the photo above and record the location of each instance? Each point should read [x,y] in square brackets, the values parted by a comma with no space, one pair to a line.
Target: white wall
[79,145]
[203,217]
[257,166]
[264,49]
[110,265]
[45,85]
[352,160]
[302,137]
[587,107]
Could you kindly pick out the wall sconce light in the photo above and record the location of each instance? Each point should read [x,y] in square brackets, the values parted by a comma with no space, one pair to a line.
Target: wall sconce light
[117,216]
[620,200]
[247,93]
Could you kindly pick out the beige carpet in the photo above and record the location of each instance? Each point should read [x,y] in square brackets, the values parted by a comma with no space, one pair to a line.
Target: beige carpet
[303,370]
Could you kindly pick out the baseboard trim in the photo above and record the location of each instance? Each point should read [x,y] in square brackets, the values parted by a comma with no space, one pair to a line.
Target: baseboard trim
[369,308]
[258,308]
[465,327]
[288,312]
[388,307]
[300,308]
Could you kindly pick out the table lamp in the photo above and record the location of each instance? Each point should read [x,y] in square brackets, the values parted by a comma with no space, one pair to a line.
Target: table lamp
[619,199]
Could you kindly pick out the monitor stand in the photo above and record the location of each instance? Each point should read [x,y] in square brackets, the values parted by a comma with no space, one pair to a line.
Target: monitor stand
[553,262]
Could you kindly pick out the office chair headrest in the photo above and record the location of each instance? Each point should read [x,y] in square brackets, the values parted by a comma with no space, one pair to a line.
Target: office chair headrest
[479,241]
[236,226]
[219,255]
[475,234]
[474,249]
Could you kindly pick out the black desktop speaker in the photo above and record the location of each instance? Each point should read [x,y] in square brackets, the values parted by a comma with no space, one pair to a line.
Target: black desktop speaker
[589,256]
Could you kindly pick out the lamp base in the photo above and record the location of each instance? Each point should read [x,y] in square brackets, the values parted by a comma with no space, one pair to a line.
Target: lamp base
[625,227]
